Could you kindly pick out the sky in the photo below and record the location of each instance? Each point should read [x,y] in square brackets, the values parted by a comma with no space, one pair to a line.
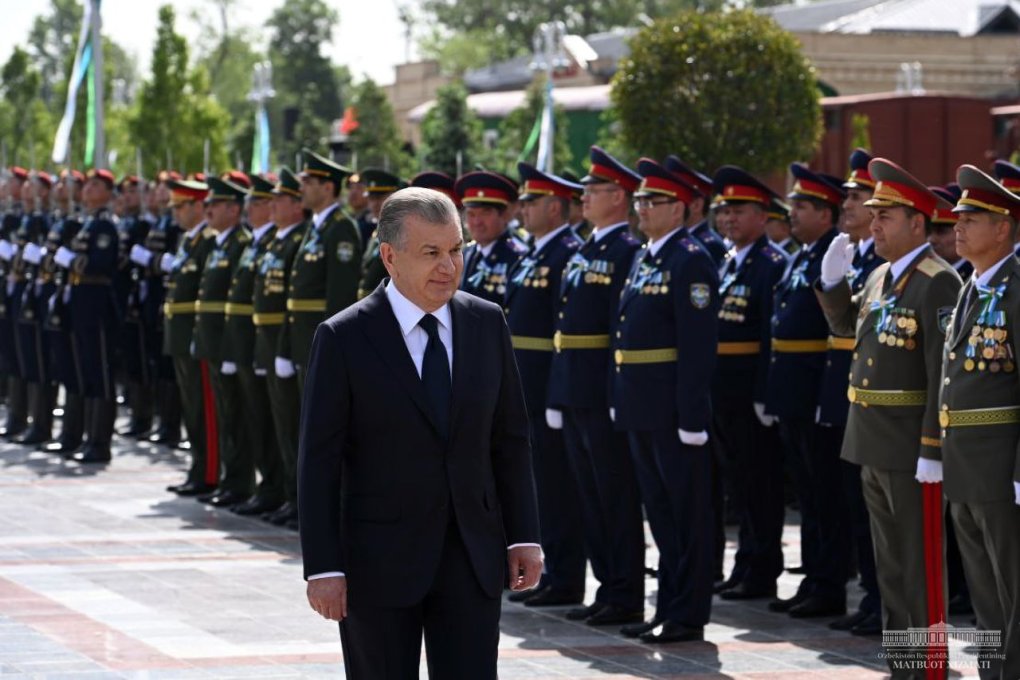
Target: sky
[132,23]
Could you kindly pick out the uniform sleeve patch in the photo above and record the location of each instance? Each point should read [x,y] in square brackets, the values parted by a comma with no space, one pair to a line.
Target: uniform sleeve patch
[945,315]
[701,295]
[345,252]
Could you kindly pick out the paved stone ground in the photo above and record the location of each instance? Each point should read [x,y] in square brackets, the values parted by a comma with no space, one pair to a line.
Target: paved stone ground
[105,575]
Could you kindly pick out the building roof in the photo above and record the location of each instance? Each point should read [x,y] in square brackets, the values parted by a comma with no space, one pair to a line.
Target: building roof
[965,18]
[499,104]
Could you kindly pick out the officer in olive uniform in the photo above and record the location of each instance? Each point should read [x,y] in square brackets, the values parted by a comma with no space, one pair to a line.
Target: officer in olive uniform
[29,339]
[532,304]
[132,229]
[664,350]
[184,271]
[253,431]
[91,262]
[269,307]
[746,440]
[379,184]
[493,249]
[578,393]
[325,274]
[51,307]
[697,217]
[980,415]
[224,208]
[16,398]
[943,234]
[1009,175]
[832,401]
[892,431]
[800,341]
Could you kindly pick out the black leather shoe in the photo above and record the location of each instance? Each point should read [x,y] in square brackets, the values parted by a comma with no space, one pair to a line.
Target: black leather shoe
[615,616]
[286,513]
[849,621]
[720,586]
[165,436]
[553,598]
[796,570]
[959,605]
[816,605]
[256,506]
[673,632]
[207,496]
[12,430]
[872,625]
[638,629]
[783,605]
[226,499]
[93,454]
[744,591]
[522,595]
[191,489]
[582,613]
[136,428]
[61,446]
[293,524]
[33,436]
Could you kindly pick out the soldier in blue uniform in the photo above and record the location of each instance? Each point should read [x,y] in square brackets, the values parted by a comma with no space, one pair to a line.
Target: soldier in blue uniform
[494,248]
[437,181]
[800,341]
[17,415]
[747,440]
[92,262]
[532,304]
[579,401]
[833,404]
[778,228]
[697,218]
[664,348]
[52,282]
[578,223]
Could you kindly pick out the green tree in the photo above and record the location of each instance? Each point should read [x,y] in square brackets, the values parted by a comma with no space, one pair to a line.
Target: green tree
[860,125]
[518,127]
[52,41]
[26,126]
[175,112]
[376,140]
[451,127]
[695,85]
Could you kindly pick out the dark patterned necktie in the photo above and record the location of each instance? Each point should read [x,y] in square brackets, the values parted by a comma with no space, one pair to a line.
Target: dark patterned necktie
[435,375]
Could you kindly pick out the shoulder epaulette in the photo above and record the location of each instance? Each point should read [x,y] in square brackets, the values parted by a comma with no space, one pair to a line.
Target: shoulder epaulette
[208,232]
[517,245]
[775,255]
[929,267]
[630,238]
[690,244]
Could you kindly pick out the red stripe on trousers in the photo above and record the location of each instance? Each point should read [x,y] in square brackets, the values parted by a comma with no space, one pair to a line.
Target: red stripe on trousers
[932,498]
[212,440]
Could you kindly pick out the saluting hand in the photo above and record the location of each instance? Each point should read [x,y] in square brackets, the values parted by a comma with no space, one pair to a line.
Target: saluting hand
[328,596]
[837,260]
[525,566]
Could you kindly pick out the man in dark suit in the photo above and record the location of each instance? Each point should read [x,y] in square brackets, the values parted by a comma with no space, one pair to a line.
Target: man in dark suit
[419,495]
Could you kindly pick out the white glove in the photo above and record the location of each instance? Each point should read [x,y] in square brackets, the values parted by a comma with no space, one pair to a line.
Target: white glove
[693,438]
[837,260]
[141,256]
[228,368]
[763,418]
[64,257]
[284,367]
[1016,492]
[166,262]
[261,372]
[928,471]
[554,419]
[612,414]
[6,250]
[33,253]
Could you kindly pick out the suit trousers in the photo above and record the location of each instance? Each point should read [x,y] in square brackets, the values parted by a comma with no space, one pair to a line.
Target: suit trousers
[815,463]
[614,534]
[189,380]
[262,451]
[285,403]
[989,537]
[459,621]
[860,530]
[754,456]
[559,509]
[237,471]
[675,482]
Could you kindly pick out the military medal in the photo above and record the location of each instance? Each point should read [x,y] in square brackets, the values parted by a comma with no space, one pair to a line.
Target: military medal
[968,365]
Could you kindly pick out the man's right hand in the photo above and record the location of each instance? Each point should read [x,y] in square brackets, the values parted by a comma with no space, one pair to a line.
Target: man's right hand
[837,260]
[328,597]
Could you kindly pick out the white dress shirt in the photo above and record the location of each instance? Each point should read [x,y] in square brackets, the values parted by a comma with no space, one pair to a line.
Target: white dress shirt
[600,233]
[258,232]
[990,272]
[320,217]
[282,233]
[540,243]
[899,266]
[655,246]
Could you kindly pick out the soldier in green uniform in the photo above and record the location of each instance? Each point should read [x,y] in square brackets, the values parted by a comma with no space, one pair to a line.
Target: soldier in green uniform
[224,207]
[899,320]
[325,274]
[254,429]
[185,271]
[980,415]
[379,184]
[270,302]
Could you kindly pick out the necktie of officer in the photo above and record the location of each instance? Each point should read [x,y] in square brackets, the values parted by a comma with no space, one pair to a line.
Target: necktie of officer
[887,282]
[435,375]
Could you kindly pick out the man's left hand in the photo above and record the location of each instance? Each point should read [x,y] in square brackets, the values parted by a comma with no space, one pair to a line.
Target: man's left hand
[525,567]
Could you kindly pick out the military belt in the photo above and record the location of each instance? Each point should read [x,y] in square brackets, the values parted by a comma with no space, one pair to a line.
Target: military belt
[865,398]
[210,307]
[1003,415]
[534,344]
[846,344]
[739,348]
[86,280]
[562,341]
[267,318]
[799,346]
[172,308]
[645,356]
[238,309]
[296,305]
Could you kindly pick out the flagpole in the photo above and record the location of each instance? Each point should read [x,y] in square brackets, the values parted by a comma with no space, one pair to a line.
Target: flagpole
[99,148]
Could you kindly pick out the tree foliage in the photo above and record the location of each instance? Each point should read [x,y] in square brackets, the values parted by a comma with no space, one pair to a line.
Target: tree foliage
[25,124]
[376,140]
[52,38]
[451,127]
[518,126]
[694,85]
